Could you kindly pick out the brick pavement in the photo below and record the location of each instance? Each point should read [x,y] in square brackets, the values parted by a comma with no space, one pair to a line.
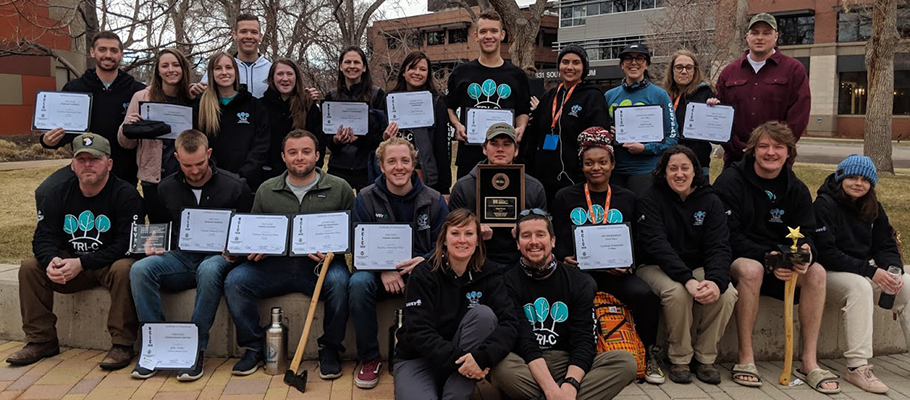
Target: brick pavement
[74,375]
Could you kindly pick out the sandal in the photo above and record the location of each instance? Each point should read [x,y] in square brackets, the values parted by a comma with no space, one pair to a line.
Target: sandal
[817,377]
[707,373]
[680,373]
[746,370]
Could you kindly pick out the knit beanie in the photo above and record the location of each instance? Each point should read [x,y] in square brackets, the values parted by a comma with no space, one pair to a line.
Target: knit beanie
[580,52]
[854,165]
[595,136]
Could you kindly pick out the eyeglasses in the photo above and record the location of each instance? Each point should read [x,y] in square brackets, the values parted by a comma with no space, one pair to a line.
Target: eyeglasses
[639,59]
[681,68]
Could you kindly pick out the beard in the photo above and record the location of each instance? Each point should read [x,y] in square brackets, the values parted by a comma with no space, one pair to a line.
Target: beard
[302,172]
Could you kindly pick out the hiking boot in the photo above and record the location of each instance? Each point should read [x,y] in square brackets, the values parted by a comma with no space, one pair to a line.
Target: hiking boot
[189,375]
[142,373]
[34,352]
[329,364]
[119,357]
[707,373]
[653,374]
[863,378]
[680,373]
[248,364]
[368,376]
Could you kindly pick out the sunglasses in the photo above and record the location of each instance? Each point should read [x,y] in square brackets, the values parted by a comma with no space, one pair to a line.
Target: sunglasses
[536,211]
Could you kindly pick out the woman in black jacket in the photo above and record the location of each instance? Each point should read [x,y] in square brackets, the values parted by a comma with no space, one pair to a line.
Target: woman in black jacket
[432,143]
[856,246]
[685,82]
[550,144]
[683,234]
[289,106]
[236,122]
[458,319]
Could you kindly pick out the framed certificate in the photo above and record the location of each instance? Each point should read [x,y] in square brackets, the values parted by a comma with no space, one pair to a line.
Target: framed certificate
[169,345]
[322,233]
[382,246]
[258,234]
[642,124]
[71,111]
[151,236]
[500,194]
[603,246]
[203,230]
[479,120]
[411,109]
[180,118]
[708,123]
[350,114]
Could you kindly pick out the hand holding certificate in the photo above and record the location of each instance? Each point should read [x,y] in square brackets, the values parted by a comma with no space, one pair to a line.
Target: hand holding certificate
[641,124]
[382,246]
[479,120]
[354,115]
[320,233]
[203,230]
[603,246]
[710,123]
[68,110]
[258,234]
[180,118]
[410,109]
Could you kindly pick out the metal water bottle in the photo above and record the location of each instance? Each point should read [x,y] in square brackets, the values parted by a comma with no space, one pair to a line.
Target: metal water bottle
[276,344]
[393,335]
[886,299]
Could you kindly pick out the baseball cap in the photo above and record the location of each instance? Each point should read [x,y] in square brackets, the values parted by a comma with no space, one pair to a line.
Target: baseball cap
[91,143]
[501,128]
[636,48]
[764,17]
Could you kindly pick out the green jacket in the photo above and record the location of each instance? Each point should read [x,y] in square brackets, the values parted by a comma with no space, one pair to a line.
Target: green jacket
[331,193]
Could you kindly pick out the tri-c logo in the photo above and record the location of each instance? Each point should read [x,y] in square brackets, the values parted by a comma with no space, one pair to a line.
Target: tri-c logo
[85,223]
[541,311]
[488,89]
[243,118]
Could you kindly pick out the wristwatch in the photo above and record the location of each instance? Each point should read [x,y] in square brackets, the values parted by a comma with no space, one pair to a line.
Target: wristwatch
[572,381]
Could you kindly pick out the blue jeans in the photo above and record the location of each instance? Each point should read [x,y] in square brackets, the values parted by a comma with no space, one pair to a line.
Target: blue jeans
[276,276]
[176,271]
[365,289]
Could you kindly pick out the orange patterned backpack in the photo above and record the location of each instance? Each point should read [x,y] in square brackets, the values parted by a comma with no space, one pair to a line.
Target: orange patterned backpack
[616,330]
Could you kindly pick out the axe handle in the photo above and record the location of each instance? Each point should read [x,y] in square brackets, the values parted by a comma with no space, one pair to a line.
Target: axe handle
[789,293]
[311,313]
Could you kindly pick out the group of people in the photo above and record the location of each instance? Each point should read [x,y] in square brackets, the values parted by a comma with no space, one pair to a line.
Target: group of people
[258,146]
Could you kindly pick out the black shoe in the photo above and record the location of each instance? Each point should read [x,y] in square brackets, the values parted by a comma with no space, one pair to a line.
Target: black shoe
[248,364]
[34,352]
[142,373]
[329,364]
[189,375]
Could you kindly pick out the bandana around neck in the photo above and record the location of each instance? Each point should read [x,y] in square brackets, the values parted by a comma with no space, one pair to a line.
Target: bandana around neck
[541,273]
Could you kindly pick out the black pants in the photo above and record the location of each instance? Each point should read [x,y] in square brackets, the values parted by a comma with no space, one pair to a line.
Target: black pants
[152,203]
[637,295]
[358,178]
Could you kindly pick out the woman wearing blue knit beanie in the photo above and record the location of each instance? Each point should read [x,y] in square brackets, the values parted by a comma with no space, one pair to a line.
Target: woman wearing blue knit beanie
[856,246]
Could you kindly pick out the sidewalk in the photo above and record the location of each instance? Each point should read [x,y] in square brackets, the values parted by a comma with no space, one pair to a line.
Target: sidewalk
[74,375]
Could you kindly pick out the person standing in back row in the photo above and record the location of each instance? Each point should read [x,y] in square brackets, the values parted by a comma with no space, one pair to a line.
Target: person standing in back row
[253,68]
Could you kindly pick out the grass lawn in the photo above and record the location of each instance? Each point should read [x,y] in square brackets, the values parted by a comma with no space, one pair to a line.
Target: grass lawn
[17,208]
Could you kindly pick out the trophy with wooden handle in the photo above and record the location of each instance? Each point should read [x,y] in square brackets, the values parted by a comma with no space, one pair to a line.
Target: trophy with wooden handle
[790,256]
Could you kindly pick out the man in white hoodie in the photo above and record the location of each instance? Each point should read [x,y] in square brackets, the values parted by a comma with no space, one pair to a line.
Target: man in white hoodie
[253,67]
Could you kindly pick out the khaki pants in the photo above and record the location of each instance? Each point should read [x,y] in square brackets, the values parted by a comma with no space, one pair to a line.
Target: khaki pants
[687,318]
[36,300]
[857,297]
[610,373]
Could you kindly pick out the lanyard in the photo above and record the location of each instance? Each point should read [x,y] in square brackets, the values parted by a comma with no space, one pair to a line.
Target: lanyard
[606,203]
[676,102]
[557,114]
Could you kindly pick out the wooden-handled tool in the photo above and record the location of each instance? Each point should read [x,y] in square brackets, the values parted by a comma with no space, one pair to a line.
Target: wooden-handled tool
[291,377]
[789,293]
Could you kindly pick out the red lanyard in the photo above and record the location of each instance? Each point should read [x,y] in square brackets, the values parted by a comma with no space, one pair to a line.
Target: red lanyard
[676,102]
[557,114]
[606,204]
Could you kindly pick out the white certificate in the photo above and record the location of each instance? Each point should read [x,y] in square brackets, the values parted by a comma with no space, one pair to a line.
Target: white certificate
[354,115]
[168,345]
[322,233]
[410,109]
[203,230]
[258,234]
[711,123]
[603,246]
[479,120]
[642,124]
[180,118]
[382,246]
[68,110]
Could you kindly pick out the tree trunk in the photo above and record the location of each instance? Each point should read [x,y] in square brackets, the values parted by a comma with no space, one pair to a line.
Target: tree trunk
[522,30]
[89,14]
[880,76]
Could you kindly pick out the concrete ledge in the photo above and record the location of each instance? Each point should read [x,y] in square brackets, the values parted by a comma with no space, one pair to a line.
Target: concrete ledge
[81,322]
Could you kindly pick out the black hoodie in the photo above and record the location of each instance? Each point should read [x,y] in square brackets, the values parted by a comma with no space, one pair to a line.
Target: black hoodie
[584,109]
[680,236]
[621,199]
[701,148]
[354,156]
[242,143]
[758,218]
[845,241]
[435,303]
[108,110]
[280,123]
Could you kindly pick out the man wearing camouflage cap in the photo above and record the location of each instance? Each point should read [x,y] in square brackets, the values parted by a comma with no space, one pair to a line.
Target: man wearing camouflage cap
[82,235]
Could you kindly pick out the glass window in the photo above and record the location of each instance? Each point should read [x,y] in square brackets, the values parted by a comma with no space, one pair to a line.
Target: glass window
[606,7]
[646,4]
[392,42]
[796,29]
[565,12]
[436,38]
[594,9]
[853,27]
[458,35]
[619,6]
[632,5]
[853,95]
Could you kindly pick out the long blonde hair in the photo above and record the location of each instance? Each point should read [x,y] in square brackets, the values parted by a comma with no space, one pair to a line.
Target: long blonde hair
[210,102]
[698,76]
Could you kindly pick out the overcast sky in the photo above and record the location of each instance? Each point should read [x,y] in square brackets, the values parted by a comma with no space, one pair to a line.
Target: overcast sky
[404,8]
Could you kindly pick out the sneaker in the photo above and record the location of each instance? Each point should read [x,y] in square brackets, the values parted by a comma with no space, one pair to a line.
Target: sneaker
[329,364]
[863,378]
[34,352]
[653,374]
[368,376]
[142,373]
[119,357]
[189,375]
[248,364]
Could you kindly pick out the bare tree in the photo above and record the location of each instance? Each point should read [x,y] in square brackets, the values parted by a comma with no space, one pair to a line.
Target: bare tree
[522,28]
[353,18]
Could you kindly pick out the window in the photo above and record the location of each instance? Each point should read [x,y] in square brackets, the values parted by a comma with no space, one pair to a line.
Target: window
[856,25]
[853,95]
[796,29]
[458,35]
[549,38]
[632,5]
[573,14]
[436,38]
[392,42]
[607,49]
